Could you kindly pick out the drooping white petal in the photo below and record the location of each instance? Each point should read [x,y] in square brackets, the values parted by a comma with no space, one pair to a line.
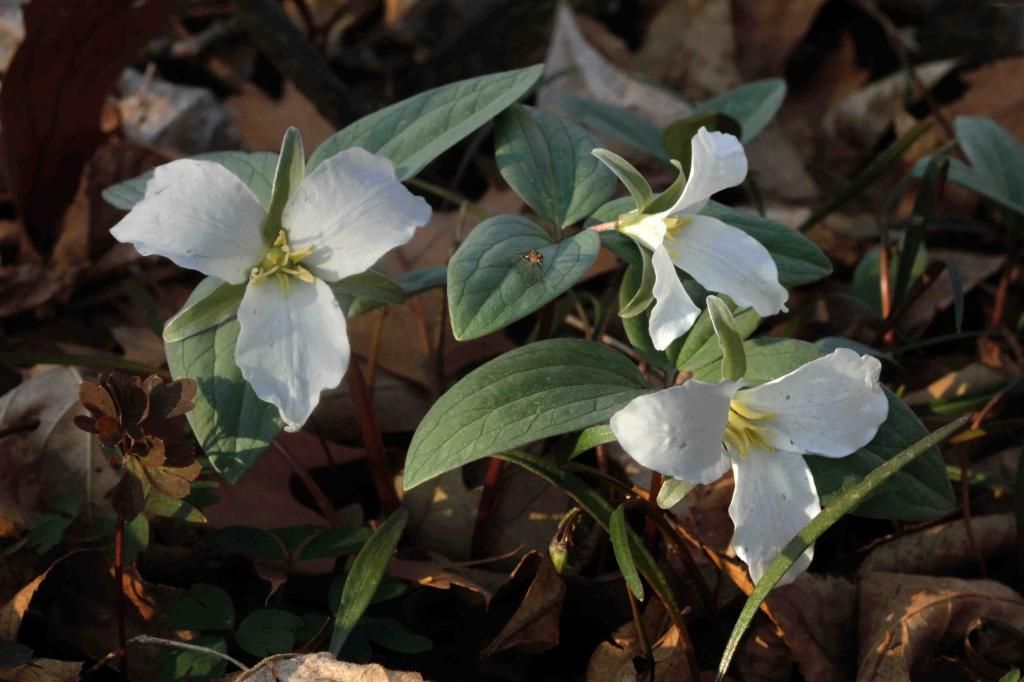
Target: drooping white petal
[199,215]
[292,345]
[717,162]
[352,210]
[674,312]
[831,406]
[649,231]
[726,259]
[774,499]
[678,431]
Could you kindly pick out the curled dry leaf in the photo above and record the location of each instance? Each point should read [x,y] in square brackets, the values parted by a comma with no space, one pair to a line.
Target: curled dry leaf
[616,661]
[534,627]
[944,549]
[321,667]
[906,621]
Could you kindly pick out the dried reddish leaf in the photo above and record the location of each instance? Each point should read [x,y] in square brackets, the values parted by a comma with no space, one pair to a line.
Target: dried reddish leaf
[53,95]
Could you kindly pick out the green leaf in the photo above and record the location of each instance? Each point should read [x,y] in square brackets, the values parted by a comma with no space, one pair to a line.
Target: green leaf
[548,162]
[615,122]
[540,390]
[918,492]
[797,258]
[619,533]
[956,282]
[642,287]
[994,154]
[168,507]
[393,635]
[256,170]
[867,278]
[233,426]
[291,169]
[636,184]
[366,573]
[752,105]
[678,135]
[851,498]
[205,607]
[189,664]
[574,445]
[1012,676]
[366,291]
[335,542]
[266,632]
[701,346]
[492,282]
[672,490]
[211,303]
[734,361]
[965,176]
[417,130]
[248,541]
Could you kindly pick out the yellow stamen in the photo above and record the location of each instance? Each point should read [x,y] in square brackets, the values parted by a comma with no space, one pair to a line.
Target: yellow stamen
[742,431]
[282,263]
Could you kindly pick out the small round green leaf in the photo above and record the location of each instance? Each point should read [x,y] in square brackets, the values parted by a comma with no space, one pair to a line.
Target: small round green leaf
[205,607]
[548,162]
[507,268]
[266,632]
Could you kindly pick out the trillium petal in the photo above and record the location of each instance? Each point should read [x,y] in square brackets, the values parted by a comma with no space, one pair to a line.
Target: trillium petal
[831,406]
[717,162]
[726,259]
[678,431]
[774,499]
[674,312]
[352,210]
[292,345]
[199,215]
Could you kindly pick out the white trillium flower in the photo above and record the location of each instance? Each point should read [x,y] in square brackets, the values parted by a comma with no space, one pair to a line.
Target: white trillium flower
[695,432]
[720,257]
[339,221]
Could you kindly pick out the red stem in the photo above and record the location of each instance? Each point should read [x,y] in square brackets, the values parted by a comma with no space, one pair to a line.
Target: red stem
[122,646]
[380,469]
[488,501]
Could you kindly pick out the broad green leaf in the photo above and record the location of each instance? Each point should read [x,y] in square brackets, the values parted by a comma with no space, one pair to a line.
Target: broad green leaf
[798,259]
[574,445]
[256,170]
[994,154]
[168,507]
[965,176]
[734,361]
[266,632]
[507,268]
[767,358]
[540,390]
[365,576]
[918,492]
[334,542]
[211,303]
[678,135]
[291,169]
[364,292]
[415,131]
[205,607]
[701,347]
[615,122]
[634,181]
[752,105]
[842,504]
[248,541]
[233,426]
[548,162]
[618,530]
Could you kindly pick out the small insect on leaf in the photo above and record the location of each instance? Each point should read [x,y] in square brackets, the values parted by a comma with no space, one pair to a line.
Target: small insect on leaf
[532,263]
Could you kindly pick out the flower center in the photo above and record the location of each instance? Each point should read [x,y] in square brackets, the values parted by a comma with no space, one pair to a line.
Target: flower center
[674,225]
[281,263]
[741,431]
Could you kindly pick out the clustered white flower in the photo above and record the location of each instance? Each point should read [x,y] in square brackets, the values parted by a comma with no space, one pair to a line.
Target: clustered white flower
[339,221]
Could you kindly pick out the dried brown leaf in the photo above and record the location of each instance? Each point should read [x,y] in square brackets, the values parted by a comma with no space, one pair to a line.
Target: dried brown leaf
[534,627]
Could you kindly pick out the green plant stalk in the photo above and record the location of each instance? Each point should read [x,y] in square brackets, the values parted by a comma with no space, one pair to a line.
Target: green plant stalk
[841,505]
